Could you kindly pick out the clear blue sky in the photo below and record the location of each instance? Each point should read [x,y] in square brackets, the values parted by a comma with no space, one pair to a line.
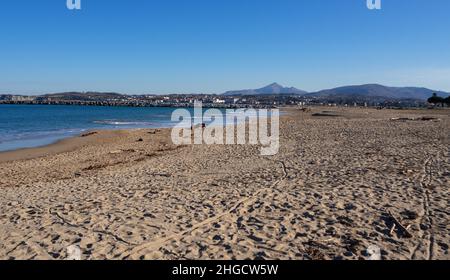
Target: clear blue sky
[210,46]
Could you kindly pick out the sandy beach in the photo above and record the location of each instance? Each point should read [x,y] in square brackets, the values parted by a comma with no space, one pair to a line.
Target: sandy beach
[345,179]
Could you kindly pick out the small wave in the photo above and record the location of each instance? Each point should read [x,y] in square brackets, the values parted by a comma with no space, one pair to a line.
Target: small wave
[113,122]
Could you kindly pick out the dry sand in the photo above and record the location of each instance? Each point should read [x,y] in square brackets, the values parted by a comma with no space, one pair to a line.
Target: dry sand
[341,181]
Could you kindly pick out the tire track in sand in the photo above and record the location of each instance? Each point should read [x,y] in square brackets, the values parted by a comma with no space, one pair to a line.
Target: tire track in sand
[424,183]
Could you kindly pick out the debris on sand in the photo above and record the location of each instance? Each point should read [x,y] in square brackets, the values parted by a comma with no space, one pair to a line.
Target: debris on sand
[396,224]
[416,119]
[326,114]
[89,134]
[122,151]
[409,215]
[153,131]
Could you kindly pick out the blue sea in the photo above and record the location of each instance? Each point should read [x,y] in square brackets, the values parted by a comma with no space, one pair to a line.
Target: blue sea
[26,126]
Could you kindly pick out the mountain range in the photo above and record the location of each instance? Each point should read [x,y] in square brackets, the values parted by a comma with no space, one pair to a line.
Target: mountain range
[271,89]
[366,91]
[378,91]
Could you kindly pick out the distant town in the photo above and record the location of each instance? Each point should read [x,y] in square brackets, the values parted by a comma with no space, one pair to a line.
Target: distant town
[271,96]
[211,101]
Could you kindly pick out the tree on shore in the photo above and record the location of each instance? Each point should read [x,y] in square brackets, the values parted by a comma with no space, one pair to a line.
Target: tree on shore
[447,101]
[435,99]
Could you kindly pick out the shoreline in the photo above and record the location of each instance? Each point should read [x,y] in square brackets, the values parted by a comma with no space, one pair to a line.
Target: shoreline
[73,142]
[67,144]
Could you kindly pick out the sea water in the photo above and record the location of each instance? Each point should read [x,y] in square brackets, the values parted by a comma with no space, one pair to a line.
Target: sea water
[28,126]
[25,126]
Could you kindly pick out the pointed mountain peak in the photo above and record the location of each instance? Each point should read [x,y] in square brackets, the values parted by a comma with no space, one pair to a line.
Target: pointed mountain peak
[274,88]
[275,85]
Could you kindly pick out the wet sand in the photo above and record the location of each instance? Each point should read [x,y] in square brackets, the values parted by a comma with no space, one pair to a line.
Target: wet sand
[345,179]
[61,146]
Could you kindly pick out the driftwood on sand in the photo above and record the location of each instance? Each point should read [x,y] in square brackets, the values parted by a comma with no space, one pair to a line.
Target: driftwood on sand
[396,224]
